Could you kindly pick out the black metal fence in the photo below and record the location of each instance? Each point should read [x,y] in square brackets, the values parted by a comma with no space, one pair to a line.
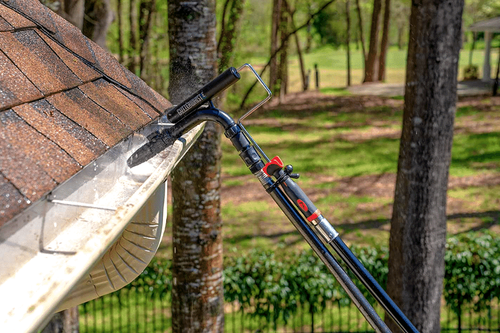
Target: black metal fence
[137,310]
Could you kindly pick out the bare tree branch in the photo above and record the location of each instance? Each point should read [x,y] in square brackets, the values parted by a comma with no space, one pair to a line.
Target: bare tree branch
[281,46]
[223,26]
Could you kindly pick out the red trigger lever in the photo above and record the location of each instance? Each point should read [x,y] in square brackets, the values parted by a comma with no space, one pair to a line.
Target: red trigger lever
[272,166]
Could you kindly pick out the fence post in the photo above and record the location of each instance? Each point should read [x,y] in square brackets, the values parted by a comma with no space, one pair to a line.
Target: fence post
[317,75]
[460,317]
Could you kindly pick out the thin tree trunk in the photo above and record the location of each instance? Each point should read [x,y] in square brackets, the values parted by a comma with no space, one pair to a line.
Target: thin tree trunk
[133,36]
[228,38]
[472,47]
[223,24]
[275,28]
[197,292]
[147,13]
[384,44]
[361,34]
[301,61]
[63,322]
[309,20]
[418,224]
[348,41]
[309,39]
[74,12]
[282,77]
[371,61]
[98,18]
[120,31]
[400,38]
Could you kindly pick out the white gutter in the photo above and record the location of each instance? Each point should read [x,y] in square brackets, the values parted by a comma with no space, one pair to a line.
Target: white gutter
[92,235]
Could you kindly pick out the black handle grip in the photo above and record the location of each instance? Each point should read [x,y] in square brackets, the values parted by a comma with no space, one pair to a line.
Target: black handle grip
[221,82]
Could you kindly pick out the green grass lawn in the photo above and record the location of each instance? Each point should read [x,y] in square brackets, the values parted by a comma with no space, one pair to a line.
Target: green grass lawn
[337,145]
[332,66]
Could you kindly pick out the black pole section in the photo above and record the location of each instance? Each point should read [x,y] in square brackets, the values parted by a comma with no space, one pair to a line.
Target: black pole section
[312,239]
[193,102]
[254,163]
[371,284]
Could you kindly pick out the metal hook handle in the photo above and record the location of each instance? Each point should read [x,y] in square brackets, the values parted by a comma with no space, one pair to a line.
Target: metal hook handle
[269,93]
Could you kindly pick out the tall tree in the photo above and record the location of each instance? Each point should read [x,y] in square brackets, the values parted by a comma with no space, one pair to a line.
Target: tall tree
[132,64]
[418,224]
[361,32]
[98,18]
[71,10]
[282,74]
[229,32]
[304,76]
[348,41]
[146,13]
[74,11]
[197,293]
[275,27]
[294,31]
[371,61]
[119,16]
[384,44]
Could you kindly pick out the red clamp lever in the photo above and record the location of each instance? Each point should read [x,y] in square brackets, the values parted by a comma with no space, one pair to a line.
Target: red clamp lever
[272,166]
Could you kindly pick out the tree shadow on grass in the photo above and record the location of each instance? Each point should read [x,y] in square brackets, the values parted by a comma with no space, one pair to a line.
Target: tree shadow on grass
[494,216]
[378,223]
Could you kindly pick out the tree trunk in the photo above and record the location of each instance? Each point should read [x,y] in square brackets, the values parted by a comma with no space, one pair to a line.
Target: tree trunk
[63,322]
[472,47]
[119,16]
[371,61]
[348,41]
[291,24]
[361,34]
[275,28]
[197,292]
[384,44]
[309,20]
[400,38]
[98,18]
[133,36]
[303,74]
[418,225]
[282,77]
[147,9]
[229,34]
[74,12]
[309,39]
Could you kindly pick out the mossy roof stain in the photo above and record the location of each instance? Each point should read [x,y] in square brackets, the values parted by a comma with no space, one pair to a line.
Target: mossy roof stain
[64,101]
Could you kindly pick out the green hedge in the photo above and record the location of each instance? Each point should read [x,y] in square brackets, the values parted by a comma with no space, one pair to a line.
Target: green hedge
[472,271]
[273,285]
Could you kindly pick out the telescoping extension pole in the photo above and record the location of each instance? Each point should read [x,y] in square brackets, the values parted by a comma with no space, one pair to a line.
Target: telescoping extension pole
[290,198]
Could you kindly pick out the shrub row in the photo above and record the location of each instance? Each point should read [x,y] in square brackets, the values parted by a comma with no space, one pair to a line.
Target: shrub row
[272,285]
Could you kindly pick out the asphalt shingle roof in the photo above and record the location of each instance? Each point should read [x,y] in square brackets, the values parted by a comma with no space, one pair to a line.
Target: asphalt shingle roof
[63,102]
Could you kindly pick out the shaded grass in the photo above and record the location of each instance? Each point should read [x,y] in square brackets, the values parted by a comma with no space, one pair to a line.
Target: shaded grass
[475,153]
[314,142]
